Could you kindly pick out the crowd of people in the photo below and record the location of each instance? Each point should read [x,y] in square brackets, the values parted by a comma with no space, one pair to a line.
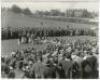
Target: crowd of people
[69,30]
[60,60]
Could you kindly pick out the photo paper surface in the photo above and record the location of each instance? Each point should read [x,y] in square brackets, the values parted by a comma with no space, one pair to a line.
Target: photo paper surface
[49,39]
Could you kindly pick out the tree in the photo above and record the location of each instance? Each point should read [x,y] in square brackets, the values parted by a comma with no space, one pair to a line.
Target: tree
[55,12]
[27,11]
[39,13]
[85,13]
[73,13]
[46,13]
[16,9]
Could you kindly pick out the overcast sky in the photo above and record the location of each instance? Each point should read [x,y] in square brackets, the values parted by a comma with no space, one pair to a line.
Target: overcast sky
[33,6]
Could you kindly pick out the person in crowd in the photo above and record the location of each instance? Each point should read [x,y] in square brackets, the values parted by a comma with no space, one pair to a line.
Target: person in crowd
[66,65]
[67,59]
[11,73]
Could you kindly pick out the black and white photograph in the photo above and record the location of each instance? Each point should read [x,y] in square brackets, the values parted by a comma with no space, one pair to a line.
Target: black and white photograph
[46,39]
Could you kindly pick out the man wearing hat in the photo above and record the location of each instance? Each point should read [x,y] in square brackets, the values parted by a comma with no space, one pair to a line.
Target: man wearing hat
[89,66]
[78,61]
[66,65]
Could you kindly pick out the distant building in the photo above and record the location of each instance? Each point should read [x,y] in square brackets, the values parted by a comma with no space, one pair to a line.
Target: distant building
[69,13]
[76,12]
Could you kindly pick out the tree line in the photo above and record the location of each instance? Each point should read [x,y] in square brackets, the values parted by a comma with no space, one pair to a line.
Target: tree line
[83,13]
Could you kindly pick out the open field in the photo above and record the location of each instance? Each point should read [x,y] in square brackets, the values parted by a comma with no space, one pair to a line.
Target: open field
[10,45]
[21,21]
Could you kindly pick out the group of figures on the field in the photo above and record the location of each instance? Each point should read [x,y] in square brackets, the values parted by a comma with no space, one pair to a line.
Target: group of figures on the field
[31,33]
[30,39]
[60,60]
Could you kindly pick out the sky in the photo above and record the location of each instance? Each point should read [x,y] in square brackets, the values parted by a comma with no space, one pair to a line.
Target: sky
[38,5]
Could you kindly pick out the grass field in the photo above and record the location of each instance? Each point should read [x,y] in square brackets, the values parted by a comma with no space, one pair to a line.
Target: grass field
[10,45]
[19,20]
[7,46]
